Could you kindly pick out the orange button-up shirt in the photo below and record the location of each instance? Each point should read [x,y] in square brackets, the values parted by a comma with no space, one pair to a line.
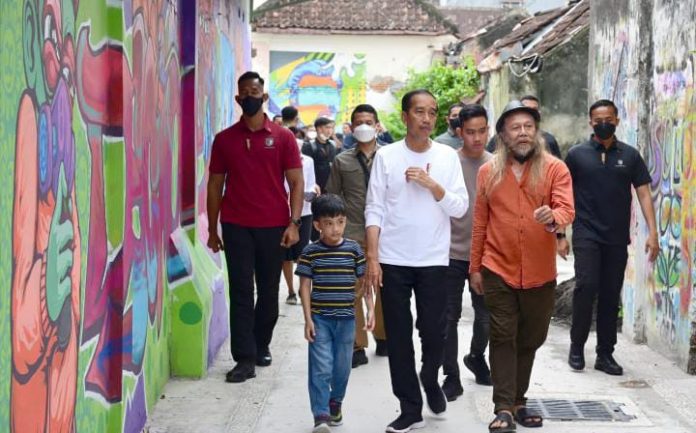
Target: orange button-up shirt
[506,239]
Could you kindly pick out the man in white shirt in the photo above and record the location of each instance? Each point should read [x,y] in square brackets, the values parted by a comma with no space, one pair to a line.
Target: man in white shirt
[416,185]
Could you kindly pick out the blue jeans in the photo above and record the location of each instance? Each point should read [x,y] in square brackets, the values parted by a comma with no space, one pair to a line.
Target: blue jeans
[330,358]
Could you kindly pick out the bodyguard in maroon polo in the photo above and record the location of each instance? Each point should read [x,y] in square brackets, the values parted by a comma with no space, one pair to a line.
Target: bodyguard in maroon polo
[250,162]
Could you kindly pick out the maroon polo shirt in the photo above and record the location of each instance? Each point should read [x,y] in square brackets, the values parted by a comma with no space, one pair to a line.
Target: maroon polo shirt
[254,163]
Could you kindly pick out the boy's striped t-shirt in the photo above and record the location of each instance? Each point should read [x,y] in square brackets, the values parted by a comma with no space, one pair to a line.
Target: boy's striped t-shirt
[334,271]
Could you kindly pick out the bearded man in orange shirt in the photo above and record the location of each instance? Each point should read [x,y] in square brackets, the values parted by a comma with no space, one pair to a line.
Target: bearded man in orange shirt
[524,196]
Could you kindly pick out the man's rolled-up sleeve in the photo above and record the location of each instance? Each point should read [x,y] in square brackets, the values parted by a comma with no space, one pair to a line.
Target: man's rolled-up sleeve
[562,202]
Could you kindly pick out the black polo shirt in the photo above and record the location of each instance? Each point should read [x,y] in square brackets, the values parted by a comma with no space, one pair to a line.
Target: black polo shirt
[602,180]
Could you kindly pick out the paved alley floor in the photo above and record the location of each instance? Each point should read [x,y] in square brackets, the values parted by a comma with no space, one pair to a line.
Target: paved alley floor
[660,396]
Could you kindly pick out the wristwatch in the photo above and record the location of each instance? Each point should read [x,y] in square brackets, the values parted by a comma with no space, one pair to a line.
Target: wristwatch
[297,222]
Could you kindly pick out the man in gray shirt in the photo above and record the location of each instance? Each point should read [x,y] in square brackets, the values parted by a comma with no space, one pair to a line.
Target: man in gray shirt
[450,137]
[473,131]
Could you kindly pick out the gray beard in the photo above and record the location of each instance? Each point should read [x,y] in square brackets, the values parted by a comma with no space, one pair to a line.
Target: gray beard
[524,158]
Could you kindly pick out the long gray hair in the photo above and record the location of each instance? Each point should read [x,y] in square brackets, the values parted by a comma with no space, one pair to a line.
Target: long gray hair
[500,161]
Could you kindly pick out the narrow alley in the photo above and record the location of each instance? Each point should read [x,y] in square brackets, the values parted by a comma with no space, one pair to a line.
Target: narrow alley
[654,392]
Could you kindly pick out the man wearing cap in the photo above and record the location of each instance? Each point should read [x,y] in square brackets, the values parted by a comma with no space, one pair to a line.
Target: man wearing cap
[532,101]
[524,195]
[322,150]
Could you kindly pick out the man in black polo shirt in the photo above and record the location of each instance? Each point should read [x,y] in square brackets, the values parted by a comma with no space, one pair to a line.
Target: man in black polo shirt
[323,151]
[603,170]
[532,101]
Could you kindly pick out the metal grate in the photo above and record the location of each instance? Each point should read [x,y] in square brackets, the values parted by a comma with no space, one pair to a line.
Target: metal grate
[580,410]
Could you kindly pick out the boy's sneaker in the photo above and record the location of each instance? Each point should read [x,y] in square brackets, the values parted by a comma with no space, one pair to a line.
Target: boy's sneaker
[336,414]
[405,423]
[359,358]
[321,424]
[477,365]
[291,299]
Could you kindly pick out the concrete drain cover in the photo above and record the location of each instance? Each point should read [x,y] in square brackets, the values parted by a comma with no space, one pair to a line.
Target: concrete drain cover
[580,410]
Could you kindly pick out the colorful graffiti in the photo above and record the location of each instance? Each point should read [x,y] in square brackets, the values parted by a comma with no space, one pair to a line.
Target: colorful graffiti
[45,291]
[102,141]
[658,298]
[318,84]
[674,184]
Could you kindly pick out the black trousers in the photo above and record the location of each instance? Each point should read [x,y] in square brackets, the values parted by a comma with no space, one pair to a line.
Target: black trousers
[253,255]
[599,273]
[427,283]
[456,276]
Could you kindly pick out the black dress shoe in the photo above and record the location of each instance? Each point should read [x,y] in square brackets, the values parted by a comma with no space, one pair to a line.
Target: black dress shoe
[576,358]
[241,372]
[608,364]
[435,397]
[359,358]
[264,360]
[477,365]
[452,387]
[381,349]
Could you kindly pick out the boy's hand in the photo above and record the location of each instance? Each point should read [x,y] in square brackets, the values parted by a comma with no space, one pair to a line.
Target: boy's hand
[309,332]
[370,321]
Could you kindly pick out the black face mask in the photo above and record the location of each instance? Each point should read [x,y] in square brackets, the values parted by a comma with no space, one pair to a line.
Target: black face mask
[454,124]
[525,158]
[604,130]
[251,105]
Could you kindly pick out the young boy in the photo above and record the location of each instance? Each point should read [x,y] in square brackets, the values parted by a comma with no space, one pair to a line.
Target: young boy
[329,269]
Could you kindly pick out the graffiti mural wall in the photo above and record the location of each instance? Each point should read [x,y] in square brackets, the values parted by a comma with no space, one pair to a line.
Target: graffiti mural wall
[100,133]
[658,298]
[317,84]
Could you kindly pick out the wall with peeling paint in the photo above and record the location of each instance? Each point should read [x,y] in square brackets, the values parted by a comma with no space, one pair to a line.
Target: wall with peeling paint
[560,85]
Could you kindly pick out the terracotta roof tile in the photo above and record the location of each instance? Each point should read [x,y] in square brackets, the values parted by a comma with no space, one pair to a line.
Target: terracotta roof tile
[528,29]
[352,16]
[538,35]
[468,19]
[575,20]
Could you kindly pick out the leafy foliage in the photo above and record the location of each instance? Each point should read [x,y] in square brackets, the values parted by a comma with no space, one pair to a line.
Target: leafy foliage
[449,85]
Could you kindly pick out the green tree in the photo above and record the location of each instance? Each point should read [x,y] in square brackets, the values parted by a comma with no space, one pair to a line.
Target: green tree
[449,85]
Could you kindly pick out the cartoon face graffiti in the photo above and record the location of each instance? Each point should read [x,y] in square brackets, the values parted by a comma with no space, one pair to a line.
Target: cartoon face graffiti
[46,236]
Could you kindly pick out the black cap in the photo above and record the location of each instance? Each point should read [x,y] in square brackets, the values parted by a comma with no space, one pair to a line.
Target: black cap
[514,107]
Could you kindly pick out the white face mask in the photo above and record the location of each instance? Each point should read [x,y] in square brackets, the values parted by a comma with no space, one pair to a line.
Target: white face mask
[364,133]
[312,135]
